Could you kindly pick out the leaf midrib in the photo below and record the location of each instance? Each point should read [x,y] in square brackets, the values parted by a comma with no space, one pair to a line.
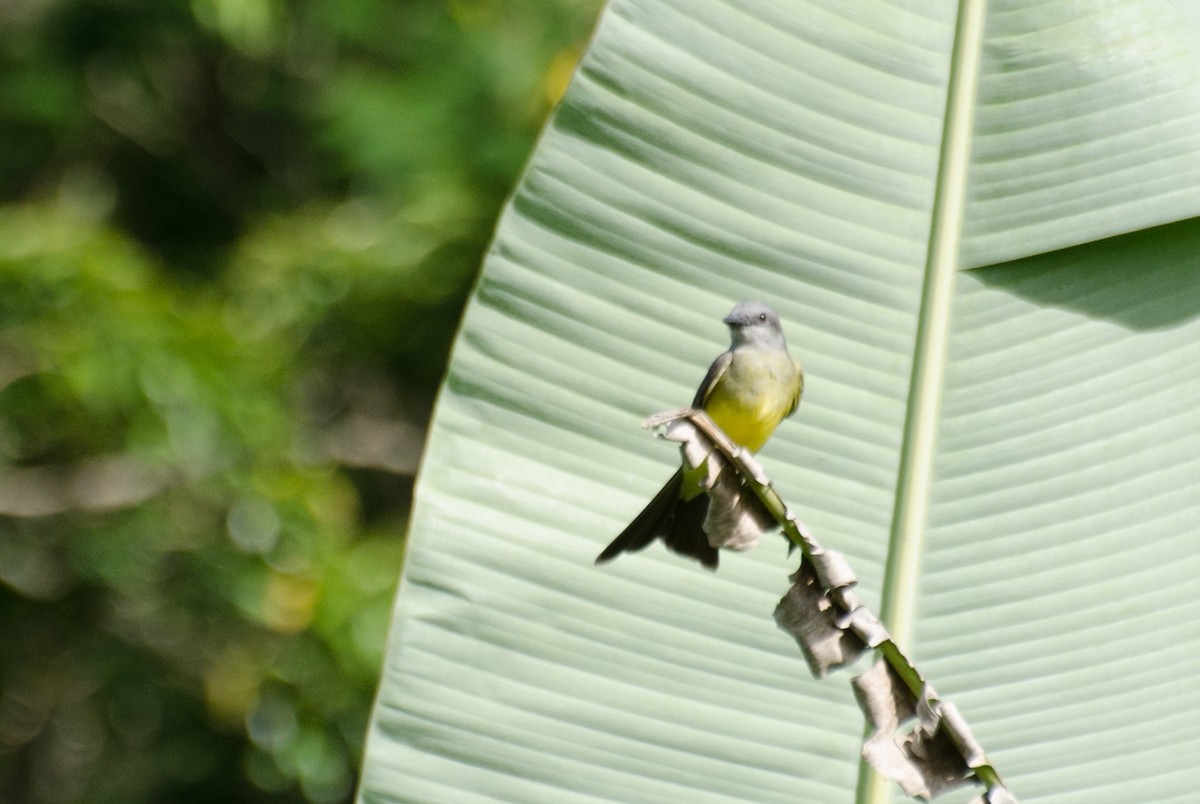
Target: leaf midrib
[915,473]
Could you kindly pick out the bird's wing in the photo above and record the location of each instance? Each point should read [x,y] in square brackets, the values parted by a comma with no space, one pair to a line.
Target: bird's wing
[799,389]
[711,379]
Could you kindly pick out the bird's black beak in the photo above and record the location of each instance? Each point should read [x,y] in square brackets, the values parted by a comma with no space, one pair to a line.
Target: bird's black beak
[731,320]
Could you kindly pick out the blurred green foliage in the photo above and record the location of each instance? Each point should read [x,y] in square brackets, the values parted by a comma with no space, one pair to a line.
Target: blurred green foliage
[235,240]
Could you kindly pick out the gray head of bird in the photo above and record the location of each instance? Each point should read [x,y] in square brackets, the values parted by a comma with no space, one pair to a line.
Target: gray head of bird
[755,325]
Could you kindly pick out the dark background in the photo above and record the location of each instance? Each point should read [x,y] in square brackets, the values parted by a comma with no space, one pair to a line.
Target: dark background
[236,237]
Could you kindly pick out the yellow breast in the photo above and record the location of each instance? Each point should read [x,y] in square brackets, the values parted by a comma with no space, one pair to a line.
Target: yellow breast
[756,393]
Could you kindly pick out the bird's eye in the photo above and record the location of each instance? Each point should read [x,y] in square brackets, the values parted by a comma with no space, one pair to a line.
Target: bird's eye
[762,316]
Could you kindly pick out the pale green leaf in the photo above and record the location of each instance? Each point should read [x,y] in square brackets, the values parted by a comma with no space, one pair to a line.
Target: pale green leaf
[799,153]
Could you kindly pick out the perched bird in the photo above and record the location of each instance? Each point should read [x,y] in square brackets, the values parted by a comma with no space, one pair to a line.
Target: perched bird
[748,391]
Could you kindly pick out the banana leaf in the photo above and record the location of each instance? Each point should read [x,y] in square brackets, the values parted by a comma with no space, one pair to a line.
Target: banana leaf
[979,225]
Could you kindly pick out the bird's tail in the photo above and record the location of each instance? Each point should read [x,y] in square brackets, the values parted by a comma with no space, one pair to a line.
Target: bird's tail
[678,522]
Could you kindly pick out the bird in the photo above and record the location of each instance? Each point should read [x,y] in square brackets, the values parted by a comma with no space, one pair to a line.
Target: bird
[748,391]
